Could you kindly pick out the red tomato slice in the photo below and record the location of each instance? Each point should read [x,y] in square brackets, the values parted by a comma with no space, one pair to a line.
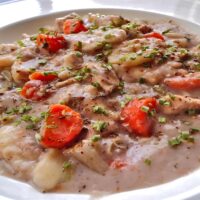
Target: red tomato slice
[42,76]
[135,119]
[34,90]
[62,126]
[154,35]
[51,43]
[73,26]
[183,83]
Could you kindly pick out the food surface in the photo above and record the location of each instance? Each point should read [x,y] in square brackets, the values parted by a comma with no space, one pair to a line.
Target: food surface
[100,104]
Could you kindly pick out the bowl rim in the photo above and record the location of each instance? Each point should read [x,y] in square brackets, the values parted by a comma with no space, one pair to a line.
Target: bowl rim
[140,194]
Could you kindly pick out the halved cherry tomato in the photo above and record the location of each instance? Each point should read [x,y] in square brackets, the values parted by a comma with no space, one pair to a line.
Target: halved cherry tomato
[51,43]
[183,83]
[34,90]
[43,76]
[73,26]
[138,120]
[61,127]
[154,35]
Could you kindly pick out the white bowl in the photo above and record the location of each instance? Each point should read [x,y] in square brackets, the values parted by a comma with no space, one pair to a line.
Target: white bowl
[187,187]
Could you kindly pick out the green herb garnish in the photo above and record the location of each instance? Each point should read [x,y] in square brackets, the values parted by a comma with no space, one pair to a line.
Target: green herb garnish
[96,85]
[100,110]
[183,136]
[147,161]
[99,125]
[42,62]
[126,100]
[108,36]
[95,138]
[166,31]
[20,43]
[145,109]
[107,66]
[82,74]
[67,165]
[162,120]
[164,102]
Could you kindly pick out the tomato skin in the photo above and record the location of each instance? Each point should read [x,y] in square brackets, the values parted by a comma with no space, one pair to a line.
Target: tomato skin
[42,77]
[183,83]
[34,90]
[73,26]
[135,119]
[51,43]
[154,35]
[62,126]
[118,164]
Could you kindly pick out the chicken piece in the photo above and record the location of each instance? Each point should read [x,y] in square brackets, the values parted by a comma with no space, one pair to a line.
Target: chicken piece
[134,52]
[60,21]
[175,104]
[87,154]
[107,79]
[6,61]
[73,59]
[143,73]
[92,42]
[21,70]
[105,20]
[7,48]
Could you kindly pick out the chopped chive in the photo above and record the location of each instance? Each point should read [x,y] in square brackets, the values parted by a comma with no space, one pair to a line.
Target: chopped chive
[183,136]
[99,125]
[18,89]
[67,165]
[147,161]
[96,85]
[164,102]
[145,109]
[95,138]
[162,120]
[107,66]
[100,110]
[166,31]
[20,43]
[195,130]
[79,54]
